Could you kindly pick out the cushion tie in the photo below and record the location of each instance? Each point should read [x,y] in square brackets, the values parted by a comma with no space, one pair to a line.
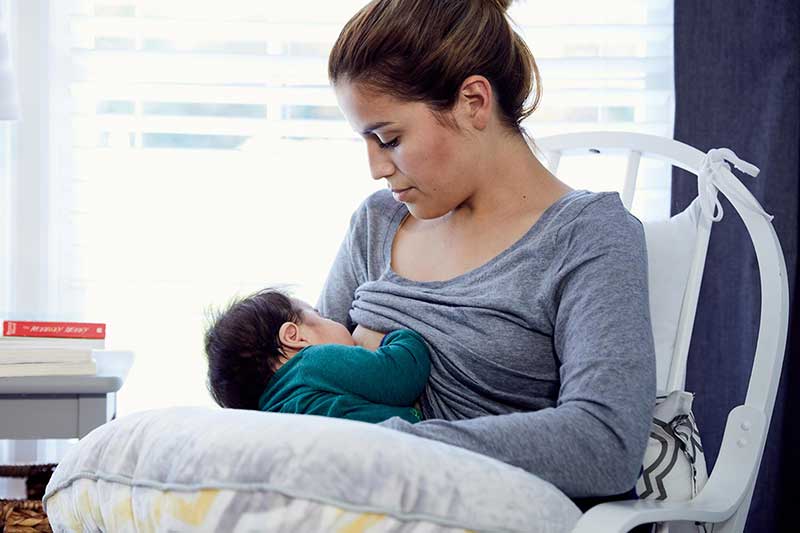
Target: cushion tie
[715,174]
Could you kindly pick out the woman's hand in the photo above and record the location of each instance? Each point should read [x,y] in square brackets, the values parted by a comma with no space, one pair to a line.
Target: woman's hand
[367,338]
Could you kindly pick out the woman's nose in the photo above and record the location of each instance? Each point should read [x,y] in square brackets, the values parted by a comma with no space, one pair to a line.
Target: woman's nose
[380,165]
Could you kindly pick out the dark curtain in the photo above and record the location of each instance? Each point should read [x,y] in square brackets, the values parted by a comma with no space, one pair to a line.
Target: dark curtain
[737,85]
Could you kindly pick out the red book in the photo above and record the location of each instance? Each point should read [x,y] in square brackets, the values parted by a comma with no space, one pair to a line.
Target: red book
[62,330]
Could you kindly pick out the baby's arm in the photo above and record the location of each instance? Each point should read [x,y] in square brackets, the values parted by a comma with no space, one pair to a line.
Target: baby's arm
[394,374]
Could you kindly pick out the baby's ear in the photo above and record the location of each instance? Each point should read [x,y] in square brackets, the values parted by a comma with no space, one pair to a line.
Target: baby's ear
[288,332]
[291,337]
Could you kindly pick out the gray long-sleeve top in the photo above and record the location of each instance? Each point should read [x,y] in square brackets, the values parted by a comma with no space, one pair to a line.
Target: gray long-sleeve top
[542,358]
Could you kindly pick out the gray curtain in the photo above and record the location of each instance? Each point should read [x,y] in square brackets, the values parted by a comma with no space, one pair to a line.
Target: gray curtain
[737,85]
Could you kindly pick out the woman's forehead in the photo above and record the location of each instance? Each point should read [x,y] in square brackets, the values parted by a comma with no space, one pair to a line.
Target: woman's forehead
[361,94]
[366,109]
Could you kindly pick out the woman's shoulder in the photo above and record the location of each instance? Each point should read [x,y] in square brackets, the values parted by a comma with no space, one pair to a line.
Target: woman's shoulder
[594,220]
[592,211]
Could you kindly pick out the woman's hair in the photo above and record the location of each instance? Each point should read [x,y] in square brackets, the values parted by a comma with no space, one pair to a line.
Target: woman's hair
[243,347]
[423,50]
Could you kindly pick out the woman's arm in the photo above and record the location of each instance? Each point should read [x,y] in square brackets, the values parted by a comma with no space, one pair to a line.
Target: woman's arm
[337,293]
[343,279]
[593,441]
[350,268]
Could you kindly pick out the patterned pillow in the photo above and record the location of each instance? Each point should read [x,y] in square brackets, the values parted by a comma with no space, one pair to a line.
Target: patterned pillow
[674,463]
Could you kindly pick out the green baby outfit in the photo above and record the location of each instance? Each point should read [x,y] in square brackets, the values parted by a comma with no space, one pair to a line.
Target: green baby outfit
[353,382]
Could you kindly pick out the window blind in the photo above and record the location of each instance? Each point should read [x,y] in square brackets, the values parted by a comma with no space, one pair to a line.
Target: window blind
[201,154]
[151,75]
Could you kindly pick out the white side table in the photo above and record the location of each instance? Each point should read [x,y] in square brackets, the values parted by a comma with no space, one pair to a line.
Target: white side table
[62,407]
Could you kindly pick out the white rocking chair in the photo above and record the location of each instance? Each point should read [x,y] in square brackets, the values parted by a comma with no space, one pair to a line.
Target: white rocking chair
[725,499]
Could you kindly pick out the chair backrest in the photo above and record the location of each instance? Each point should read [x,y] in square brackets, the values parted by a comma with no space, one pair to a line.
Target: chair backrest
[677,252]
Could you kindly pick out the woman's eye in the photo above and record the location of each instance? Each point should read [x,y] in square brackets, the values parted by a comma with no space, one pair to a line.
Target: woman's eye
[390,144]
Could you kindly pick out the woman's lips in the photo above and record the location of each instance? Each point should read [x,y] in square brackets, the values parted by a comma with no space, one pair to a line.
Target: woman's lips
[401,194]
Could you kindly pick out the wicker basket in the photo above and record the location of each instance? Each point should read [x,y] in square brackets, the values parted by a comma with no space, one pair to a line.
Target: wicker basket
[26,516]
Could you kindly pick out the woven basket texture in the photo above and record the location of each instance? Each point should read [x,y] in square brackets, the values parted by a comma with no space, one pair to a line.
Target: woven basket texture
[26,516]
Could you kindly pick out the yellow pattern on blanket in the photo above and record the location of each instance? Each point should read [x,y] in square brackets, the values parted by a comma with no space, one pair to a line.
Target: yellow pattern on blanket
[123,508]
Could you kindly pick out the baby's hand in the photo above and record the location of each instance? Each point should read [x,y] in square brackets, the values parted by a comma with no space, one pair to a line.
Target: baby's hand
[367,338]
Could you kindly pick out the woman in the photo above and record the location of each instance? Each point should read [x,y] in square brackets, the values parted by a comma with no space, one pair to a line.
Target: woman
[532,296]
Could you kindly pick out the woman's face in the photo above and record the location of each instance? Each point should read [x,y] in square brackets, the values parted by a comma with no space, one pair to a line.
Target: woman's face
[427,166]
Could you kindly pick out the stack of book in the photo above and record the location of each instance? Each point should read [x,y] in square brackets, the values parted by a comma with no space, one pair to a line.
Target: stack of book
[49,348]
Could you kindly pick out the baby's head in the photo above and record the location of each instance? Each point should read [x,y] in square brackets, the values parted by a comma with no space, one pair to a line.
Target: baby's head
[247,343]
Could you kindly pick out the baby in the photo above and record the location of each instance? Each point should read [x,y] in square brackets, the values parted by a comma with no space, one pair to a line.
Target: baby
[272,352]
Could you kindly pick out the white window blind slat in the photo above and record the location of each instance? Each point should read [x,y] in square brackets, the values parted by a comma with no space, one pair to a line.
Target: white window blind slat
[185,35]
[111,90]
[219,68]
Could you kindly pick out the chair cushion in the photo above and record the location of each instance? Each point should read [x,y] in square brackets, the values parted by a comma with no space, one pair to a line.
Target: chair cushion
[208,469]
[670,248]
[674,462]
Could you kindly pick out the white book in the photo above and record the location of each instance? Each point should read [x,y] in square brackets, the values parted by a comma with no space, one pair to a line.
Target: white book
[48,369]
[96,344]
[37,354]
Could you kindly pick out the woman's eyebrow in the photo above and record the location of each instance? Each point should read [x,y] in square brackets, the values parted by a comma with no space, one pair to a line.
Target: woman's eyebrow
[375,126]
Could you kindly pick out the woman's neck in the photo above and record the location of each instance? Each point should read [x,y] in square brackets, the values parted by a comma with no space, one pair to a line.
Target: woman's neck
[514,182]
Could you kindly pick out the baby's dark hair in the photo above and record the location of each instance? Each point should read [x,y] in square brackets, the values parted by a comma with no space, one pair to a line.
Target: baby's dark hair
[243,347]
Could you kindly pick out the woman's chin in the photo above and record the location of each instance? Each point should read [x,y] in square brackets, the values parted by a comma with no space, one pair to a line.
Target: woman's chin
[423,212]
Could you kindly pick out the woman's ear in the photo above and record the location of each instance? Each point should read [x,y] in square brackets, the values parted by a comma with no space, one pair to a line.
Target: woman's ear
[477,97]
[291,337]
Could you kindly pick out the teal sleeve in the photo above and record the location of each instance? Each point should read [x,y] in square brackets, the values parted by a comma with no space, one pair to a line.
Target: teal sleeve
[394,374]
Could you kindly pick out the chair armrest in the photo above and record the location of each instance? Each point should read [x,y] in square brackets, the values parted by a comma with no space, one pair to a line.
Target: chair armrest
[621,517]
[734,473]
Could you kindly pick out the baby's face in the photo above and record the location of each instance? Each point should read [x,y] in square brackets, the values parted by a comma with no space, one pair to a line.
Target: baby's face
[321,330]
